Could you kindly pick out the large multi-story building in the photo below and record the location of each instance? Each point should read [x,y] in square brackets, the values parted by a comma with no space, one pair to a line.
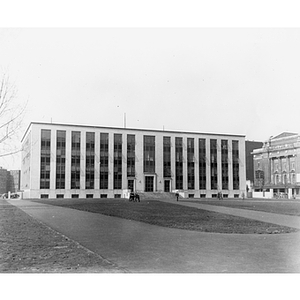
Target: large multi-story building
[277,167]
[74,161]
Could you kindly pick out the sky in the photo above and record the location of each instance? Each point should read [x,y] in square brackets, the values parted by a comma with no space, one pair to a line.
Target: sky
[218,80]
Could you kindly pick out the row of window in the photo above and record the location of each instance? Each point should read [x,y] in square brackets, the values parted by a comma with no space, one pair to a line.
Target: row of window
[285,178]
[148,160]
[59,196]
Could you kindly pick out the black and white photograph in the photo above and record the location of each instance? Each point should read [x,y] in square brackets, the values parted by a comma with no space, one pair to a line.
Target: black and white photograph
[128,152]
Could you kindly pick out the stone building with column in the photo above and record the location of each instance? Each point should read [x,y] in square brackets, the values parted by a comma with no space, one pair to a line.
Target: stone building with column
[277,167]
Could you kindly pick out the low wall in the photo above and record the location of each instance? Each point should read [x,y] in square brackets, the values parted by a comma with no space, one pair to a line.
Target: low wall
[267,195]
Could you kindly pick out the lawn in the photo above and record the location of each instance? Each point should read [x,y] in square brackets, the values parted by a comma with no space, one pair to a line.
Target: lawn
[283,207]
[170,215]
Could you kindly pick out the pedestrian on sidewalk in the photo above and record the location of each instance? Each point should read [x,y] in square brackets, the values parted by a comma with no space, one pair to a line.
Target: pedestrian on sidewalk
[177,195]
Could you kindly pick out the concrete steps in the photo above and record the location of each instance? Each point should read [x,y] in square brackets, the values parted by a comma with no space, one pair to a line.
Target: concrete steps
[156,195]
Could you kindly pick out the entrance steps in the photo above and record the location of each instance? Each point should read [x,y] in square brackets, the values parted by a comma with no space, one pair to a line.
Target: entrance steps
[156,195]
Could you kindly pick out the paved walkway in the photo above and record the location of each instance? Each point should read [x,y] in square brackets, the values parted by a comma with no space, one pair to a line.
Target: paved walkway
[139,247]
[279,219]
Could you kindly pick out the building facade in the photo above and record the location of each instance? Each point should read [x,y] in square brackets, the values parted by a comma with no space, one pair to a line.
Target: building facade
[277,167]
[250,146]
[9,181]
[14,181]
[3,181]
[74,161]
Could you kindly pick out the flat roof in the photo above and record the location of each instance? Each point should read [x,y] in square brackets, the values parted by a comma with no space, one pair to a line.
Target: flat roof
[121,128]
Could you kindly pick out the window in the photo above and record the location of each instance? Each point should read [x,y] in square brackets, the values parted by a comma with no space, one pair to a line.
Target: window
[284,179]
[235,165]
[190,163]
[202,164]
[179,163]
[167,156]
[75,196]
[276,165]
[213,165]
[130,155]
[284,164]
[75,160]
[90,160]
[45,159]
[276,179]
[60,158]
[44,196]
[60,196]
[103,196]
[224,162]
[117,195]
[117,161]
[89,196]
[293,179]
[149,154]
[104,158]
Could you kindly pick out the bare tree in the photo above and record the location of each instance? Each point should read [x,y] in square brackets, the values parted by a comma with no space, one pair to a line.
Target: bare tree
[11,117]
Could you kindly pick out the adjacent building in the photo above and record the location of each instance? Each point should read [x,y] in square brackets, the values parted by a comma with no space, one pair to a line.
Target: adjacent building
[75,161]
[14,181]
[9,181]
[277,167]
[3,181]
[250,146]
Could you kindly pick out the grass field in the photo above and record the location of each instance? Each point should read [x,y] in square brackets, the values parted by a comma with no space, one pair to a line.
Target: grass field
[284,207]
[171,215]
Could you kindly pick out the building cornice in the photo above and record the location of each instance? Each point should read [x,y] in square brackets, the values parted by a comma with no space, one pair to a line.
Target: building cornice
[130,129]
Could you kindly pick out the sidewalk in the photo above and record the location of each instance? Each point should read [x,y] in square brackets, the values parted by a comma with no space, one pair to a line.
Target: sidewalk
[29,246]
[279,219]
[139,247]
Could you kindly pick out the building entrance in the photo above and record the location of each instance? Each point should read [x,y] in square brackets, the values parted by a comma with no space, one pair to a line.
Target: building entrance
[149,183]
[131,185]
[167,186]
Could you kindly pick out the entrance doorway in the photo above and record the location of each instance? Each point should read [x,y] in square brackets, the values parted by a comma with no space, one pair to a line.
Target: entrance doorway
[149,180]
[167,186]
[131,185]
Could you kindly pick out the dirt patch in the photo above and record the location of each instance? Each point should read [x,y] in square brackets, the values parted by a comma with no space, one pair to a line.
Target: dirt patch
[28,246]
